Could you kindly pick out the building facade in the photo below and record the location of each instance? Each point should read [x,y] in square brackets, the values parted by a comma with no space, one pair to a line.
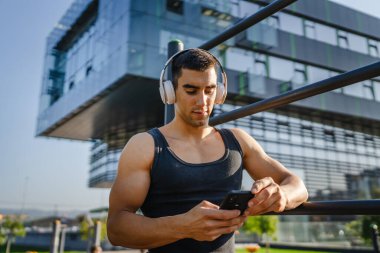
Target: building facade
[103,61]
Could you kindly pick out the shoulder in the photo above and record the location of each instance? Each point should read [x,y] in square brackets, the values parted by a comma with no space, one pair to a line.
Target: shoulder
[242,136]
[246,141]
[138,152]
[140,139]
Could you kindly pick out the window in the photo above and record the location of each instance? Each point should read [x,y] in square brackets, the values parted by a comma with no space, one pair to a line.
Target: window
[325,34]
[357,43]
[307,134]
[368,91]
[373,49]
[362,89]
[369,143]
[216,17]
[350,140]
[280,69]
[260,65]
[309,27]
[246,9]
[354,90]
[342,39]
[272,21]
[299,78]
[290,23]
[243,57]
[331,74]
[329,137]
[376,89]
[283,130]
[175,6]
[166,36]
[316,74]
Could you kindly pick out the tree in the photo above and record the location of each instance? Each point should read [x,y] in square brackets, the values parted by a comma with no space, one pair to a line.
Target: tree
[367,223]
[263,225]
[11,227]
[87,228]
[363,227]
[353,231]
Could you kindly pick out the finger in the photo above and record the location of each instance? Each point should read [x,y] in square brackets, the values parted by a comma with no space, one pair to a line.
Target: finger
[228,223]
[257,206]
[223,230]
[222,214]
[260,184]
[267,210]
[259,209]
[264,194]
[274,204]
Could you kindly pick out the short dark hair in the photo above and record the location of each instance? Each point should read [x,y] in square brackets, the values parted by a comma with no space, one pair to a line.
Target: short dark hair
[194,59]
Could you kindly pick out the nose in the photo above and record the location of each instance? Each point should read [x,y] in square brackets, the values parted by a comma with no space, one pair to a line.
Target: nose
[202,99]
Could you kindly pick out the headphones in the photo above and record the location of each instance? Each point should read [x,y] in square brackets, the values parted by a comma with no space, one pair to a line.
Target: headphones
[167,91]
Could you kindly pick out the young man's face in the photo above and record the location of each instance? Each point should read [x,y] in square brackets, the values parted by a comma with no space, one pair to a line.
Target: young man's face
[195,96]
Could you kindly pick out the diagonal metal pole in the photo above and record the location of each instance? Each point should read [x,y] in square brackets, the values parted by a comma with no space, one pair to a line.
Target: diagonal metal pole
[354,76]
[246,23]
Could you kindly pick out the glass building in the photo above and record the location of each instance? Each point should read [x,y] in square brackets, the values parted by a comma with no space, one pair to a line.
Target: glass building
[103,61]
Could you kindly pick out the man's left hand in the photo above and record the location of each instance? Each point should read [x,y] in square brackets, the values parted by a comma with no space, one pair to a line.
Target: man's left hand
[269,197]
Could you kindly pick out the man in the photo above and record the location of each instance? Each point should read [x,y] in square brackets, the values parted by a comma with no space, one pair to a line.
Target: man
[179,173]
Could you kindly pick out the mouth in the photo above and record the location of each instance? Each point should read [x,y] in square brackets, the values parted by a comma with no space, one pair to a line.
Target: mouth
[200,112]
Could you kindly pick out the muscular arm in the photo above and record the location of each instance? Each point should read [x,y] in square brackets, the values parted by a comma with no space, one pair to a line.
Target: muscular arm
[276,188]
[128,229]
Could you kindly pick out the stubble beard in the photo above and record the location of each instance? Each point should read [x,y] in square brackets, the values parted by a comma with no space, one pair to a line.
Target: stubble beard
[200,122]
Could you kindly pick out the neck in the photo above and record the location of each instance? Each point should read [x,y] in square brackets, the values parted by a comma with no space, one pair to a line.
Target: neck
[181,129]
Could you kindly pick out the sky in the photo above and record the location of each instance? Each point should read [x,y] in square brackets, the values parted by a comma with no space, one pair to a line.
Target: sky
[35,172]
[40,172]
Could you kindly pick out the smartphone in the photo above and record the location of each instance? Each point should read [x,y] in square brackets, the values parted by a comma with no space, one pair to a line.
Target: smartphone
[236,199]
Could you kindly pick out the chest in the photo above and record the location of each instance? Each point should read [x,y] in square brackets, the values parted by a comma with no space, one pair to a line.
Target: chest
[198,153]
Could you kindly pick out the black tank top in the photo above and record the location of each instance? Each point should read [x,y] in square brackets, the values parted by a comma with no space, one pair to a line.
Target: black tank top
[177,186]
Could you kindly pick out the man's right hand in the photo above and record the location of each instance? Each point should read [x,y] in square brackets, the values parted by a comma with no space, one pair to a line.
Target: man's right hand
[206,222]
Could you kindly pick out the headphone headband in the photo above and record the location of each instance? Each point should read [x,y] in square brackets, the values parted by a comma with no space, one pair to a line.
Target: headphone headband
[168,96]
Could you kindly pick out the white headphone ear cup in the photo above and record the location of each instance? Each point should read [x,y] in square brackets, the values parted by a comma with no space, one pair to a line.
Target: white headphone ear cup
[170,92]
[162,93]
[220,93]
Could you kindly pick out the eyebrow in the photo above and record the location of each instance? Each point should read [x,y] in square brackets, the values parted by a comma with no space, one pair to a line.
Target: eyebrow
[190,86]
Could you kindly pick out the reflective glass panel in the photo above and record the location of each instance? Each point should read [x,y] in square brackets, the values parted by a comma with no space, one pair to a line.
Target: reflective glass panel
[376,89]
[358,43]
[290,23]
[325,34]
[280,69]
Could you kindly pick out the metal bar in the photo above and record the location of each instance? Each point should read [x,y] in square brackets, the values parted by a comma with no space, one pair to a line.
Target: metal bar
[97,233]
[55,236]
[354,76]
[63,239]
[375,238]
[174,47]
[340,207]
[246,23]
